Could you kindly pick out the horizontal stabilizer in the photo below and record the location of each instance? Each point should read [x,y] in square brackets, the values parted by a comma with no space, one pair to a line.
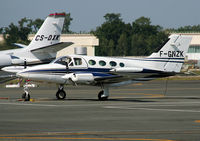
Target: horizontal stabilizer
[52,48]
[19,45]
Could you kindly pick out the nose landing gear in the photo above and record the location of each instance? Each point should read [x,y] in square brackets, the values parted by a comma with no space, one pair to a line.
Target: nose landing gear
[61,94]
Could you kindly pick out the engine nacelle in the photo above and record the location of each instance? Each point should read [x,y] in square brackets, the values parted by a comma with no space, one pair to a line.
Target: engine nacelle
[5,60]
[80,78]
[87,77]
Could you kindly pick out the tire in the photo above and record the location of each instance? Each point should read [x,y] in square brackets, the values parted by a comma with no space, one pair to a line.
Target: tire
[100,96]
[27,97]
[60,94]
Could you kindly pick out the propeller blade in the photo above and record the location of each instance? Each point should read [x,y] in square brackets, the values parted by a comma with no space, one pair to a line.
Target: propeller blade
[25,64]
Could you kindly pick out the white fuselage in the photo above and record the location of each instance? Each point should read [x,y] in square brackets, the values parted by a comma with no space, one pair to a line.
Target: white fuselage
[87,69]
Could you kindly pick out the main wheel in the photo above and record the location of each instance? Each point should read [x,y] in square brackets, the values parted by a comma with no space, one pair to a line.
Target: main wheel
[60,94]
[100,96]
[26,96]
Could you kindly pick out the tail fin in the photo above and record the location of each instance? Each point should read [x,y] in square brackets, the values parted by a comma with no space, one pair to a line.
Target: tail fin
[49,33]
[170,57]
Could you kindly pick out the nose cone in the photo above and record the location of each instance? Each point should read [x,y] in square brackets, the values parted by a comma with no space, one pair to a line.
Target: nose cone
[13,69]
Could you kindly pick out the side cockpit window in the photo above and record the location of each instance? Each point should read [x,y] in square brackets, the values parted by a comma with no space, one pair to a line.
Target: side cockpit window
[64,61]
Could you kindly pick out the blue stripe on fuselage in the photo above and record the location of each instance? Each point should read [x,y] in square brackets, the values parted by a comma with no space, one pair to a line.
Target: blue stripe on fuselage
[157,59]
[72,70]
[95,71]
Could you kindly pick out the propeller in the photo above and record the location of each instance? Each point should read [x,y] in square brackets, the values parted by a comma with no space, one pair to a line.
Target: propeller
[74,83]
[25,64]
[67,71]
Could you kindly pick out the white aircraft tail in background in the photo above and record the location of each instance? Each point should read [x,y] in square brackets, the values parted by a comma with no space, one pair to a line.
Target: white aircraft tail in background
[109,71]
[43,47]
[49,33]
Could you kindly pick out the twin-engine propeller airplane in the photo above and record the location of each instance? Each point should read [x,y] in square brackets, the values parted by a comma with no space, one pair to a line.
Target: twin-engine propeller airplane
[43,47]
[109,71]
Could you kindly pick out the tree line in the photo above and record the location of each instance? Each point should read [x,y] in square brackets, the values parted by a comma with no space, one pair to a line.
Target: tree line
[116,38]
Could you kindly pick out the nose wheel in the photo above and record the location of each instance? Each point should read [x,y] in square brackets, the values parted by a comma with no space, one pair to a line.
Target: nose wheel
[61,94]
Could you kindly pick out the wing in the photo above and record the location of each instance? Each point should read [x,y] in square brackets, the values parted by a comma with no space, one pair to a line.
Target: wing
[109,79]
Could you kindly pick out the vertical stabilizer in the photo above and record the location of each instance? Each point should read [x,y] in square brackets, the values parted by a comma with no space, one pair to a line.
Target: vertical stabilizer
[170,57]
[49,33]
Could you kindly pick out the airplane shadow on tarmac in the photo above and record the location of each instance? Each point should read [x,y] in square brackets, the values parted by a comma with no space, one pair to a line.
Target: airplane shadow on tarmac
[120,100]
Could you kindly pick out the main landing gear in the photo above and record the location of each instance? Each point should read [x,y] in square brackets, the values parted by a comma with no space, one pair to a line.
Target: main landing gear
[103,94]
[26,95]
[61,93]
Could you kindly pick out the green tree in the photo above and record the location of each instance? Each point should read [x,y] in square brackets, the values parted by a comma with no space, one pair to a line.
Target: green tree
[67,23]
[36,24]
[111,29]
[24,29]
[102,49]
[195,28]
[110,47]
[146,38]
[1,30]
[11,34]
[122,45]
[140,38]
[112,17]
[138,45]
[14,33]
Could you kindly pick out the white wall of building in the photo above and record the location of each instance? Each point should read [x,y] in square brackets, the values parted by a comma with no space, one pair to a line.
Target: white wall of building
[79,40]
[195,42]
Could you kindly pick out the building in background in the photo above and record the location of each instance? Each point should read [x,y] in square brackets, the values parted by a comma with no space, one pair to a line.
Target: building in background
[194,49]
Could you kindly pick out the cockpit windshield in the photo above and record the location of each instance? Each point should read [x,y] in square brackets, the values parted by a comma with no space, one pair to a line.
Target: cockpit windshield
[64,61]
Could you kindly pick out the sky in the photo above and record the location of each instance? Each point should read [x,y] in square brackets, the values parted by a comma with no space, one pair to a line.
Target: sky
[88,14]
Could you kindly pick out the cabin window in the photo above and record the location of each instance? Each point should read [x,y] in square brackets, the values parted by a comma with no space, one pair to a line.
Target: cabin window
[92,62]
[78,61]
[121,64]
[113,64]
[102,63]
[14,57]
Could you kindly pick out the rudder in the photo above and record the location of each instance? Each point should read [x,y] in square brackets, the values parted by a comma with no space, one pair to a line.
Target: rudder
[170,57]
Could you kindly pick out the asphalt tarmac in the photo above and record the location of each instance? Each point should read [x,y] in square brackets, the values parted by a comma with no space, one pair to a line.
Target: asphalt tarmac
[150,111]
